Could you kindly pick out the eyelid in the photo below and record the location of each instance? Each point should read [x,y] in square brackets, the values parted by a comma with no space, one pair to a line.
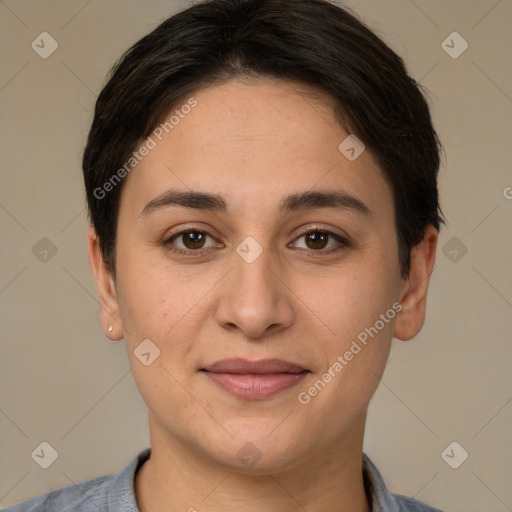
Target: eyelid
[343,241]
[194,229]
[316,227]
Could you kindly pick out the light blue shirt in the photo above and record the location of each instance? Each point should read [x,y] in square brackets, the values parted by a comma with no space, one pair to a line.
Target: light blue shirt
[115,493]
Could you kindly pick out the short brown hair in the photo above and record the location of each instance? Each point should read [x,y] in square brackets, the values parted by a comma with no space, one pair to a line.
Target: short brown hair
[309,41]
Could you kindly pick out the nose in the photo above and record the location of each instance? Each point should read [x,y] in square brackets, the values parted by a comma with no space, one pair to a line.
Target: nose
[255,298]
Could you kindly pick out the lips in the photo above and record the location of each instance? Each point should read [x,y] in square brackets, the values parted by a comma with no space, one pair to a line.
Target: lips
[254,380]
[263,366]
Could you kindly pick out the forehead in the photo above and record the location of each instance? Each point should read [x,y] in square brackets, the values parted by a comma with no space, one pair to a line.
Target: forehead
[254,143]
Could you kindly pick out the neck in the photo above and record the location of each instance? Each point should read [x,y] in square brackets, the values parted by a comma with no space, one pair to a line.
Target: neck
[179,478]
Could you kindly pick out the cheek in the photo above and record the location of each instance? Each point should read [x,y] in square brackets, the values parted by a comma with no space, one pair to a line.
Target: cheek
[354,298]
[158,306]
[152,296]
[357,306]
[363,323]
[355,355]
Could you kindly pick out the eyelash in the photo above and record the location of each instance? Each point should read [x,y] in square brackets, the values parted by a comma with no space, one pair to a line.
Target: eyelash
[343,242]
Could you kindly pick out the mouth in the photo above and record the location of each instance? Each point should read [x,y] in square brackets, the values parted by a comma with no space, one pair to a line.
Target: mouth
[254,380]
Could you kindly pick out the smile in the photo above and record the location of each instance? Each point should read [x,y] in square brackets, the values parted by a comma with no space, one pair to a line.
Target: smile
[256,380]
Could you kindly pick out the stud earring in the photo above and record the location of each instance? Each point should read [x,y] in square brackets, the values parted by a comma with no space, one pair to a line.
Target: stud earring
[109,328]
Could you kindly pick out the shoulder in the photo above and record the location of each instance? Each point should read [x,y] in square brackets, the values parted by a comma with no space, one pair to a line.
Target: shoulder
[84,497]
[382,499]
[406,504]
[110,493]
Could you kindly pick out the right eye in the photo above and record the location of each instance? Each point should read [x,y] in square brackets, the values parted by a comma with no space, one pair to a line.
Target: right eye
[191,240]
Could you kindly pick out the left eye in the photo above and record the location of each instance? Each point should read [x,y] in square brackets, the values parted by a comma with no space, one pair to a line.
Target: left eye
[320,240]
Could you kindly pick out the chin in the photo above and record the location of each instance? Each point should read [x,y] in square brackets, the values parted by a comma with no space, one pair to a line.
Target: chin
[253,460]
[259,449]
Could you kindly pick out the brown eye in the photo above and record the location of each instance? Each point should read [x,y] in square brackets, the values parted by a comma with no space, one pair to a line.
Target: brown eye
[193,239]
[321,242]
[316,239]
[188,241]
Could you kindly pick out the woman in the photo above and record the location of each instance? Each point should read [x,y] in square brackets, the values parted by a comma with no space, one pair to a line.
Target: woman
[261,178]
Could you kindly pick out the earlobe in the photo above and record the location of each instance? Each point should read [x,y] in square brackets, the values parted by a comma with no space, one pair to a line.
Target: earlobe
[105,287]
[411,318]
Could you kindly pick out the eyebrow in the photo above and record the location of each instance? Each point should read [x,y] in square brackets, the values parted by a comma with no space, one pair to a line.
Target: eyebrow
[295,202]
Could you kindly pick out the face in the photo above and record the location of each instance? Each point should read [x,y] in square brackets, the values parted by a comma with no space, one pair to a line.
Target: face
[294,257]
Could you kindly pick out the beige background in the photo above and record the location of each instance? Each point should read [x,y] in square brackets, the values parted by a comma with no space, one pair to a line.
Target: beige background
[64,383]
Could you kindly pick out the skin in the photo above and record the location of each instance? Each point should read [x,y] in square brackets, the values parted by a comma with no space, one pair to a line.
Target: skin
[255,143]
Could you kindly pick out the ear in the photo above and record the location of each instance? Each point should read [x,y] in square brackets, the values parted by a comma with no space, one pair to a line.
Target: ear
[411,317]
[105,286]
